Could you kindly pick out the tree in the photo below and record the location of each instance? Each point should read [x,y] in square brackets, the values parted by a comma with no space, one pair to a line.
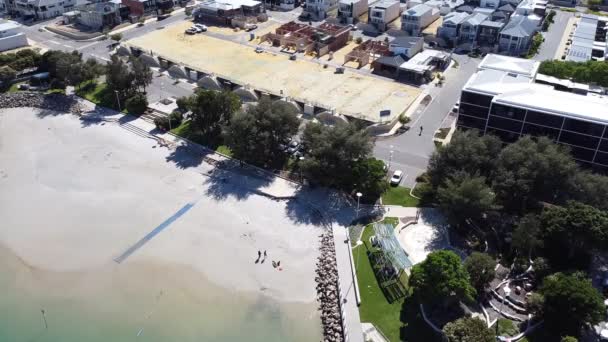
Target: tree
[535,304]
[441,278]
[64,68]
[533,170]
[468,329]
[467,152]
[142,74]
[570,301]
[594,4]
[568,339]
[369,178]
[7,75]
[480,267]
[526,237]
[183,103]
[211,110]
[542,268]
[119,78]
[256,135]
[591,188]
[116,37]
[92,69]
[571,232]
[332,152]
[465,197]
[137,104]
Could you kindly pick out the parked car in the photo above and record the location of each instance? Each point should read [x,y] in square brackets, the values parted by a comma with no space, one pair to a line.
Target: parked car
[201,27]
[396,179]
[250,27]
[162,17]
[294,146]
[190,31]
[259,49]
[455,108]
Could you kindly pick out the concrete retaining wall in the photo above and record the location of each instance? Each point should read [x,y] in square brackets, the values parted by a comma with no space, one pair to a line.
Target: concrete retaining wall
[209,83]
[177,71]
[246,95]
[74,35]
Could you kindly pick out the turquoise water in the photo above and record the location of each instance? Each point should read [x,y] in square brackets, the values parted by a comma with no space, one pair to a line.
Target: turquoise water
[141,303]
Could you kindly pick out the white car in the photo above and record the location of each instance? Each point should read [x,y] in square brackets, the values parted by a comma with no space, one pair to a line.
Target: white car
[201,27]
[396,179]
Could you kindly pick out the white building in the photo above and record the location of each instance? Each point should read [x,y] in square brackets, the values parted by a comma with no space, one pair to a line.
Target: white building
[319,8]
[383,12]
[445,6]
[350,10]
[43,9]
[494,4]
[590,40]
[10,37]
[417,18]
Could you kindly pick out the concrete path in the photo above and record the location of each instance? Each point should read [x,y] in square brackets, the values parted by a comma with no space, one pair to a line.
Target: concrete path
[553,37]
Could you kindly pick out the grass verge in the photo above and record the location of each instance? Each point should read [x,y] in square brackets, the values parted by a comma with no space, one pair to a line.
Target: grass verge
[396,195]
[374,306]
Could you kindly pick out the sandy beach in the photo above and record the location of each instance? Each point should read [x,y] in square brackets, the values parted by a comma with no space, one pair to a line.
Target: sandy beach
[114,237]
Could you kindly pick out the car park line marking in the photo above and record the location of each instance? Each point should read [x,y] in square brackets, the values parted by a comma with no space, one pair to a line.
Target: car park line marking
[87,45]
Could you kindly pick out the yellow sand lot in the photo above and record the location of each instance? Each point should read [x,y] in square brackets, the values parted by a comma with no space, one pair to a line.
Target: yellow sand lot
[349,93]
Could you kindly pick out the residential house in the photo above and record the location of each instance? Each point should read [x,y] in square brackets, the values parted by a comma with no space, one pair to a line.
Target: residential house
[450,27]
[499,16]
[140,8]
[10,36]
[3,6]
[415,19]
[507,9]
[465,8]
[406,47]
[445,6]
[494,4]
[589,40]
[470,27]
[102,15]
[222,13]
[516,36]
[42,9]
[488,32]
[318,8]
[381,13]
[564,3]
[505,101]
[350,10]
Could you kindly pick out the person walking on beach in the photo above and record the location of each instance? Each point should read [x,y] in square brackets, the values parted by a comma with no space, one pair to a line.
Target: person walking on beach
[259,254]
[421,128]
[264,254]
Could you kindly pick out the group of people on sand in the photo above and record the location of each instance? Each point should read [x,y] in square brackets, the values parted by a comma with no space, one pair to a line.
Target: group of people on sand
[275,264]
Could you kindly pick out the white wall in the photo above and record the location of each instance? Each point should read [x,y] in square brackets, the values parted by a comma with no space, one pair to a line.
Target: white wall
[13,42]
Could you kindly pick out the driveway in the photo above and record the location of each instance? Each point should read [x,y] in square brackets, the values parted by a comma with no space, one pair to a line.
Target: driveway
[553,36]
[412,150]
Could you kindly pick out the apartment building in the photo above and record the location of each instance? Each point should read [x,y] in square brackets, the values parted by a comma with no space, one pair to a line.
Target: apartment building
[381,13]
[417,18]
[318,8]
[516,36]
[502,98]
[350,10]
[469,28]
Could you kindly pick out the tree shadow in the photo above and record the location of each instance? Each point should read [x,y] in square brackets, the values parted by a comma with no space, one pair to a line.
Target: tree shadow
[55,104]
[187,155]
[414,328]
[229,179]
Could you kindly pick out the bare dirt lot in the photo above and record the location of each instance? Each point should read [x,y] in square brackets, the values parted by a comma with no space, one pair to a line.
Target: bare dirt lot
[351,93]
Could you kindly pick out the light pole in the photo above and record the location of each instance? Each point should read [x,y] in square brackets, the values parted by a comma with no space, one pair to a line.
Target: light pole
[358,201]
[117,100]
[390,159]
[300,167]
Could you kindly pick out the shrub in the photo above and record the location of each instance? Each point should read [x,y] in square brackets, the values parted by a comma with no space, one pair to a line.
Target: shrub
[404,120]
[359,40]
[116,37]
[176,118]
[137,104]
[162,123]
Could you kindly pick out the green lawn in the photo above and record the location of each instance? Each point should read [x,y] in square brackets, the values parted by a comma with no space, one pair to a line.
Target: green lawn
[225,150]
[396,195]
[185,130]
[96,93]
[15,87]
[374,306]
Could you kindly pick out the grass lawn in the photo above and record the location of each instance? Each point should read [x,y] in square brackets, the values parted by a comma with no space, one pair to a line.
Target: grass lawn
[15,87]
[396,195]
[185,130]
[225,150]
[96,93]
[374,306]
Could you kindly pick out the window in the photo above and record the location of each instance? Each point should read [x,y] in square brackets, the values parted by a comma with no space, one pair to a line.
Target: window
[579,140]
[538,131]
[472,110]
[601,158]
[582,153]
[505,136]
[584,127]
[604,145]
[506,124]
[508,112]
[544,119]
[471,122]
[473,98]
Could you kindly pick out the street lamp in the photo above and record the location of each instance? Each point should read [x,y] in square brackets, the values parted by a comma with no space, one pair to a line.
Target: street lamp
[358,201]
[117,100]
[390,159]
[300,167]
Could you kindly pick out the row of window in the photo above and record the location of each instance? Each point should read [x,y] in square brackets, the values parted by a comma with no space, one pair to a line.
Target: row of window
[518,128]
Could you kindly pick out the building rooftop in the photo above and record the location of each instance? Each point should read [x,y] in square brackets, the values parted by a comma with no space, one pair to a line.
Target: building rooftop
[507,8]
[475,19]
[520,26]
[418,10]
[494,24]
[406,41]
[421,61]
[520,66]
[486,11]
[455,17]
[444,3]
[228,4]
[9,25]
[465,8]
[385,4]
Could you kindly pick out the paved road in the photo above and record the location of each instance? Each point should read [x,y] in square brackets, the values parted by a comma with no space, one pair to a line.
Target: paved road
[411,151]
[553,37]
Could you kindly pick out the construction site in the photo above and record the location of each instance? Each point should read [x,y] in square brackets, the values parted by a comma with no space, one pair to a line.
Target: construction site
[311,83]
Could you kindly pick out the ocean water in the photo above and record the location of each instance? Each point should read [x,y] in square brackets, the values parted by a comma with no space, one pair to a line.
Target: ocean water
[140,302]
